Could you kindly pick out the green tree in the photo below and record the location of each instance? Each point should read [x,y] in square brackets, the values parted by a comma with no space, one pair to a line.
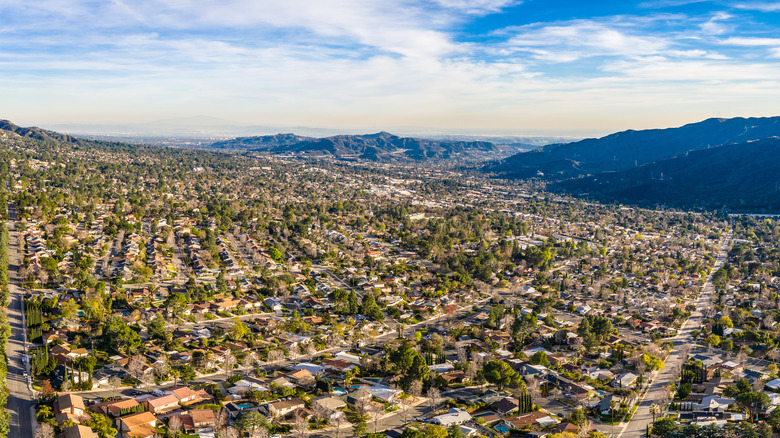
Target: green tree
[713,340]
[157,329]
[454,431]
[752,402]
[352,302]
[370,308]
[276,255]
[684,390]
[500,373]
[239,330]
[101,425]
[252,422]
[435,431]
[186,373]
[402,357]
[540,358]
[725,321]
[359,426]
[664,427]
[578,417]
[118,337]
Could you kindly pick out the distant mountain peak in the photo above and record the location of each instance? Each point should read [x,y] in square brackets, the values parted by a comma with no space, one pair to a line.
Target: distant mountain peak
[380,146]
[630,148]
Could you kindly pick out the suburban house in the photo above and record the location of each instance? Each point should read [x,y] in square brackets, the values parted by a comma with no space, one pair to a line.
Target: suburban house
[161,405]
[140,425]
[116,408]
[69,407]
[453,416]
[282,408]
[331,405]
[78,431]
[198,421]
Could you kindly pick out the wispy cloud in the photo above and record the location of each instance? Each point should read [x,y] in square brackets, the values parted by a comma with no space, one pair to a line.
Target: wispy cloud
[588,38]
[715,25]
[478,6]
[752,41]
[758,6]
[658,4]
[378,62]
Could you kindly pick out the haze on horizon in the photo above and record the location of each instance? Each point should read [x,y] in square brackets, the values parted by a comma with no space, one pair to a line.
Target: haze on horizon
[447,65]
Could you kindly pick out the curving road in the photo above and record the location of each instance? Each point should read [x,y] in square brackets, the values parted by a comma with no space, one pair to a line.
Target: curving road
[642,417]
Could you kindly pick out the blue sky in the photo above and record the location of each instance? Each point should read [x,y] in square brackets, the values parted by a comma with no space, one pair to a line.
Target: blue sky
[532,66]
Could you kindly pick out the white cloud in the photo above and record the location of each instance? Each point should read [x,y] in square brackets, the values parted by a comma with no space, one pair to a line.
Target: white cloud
[713,26]
[590,38]
[751,41]
[657,4]
[663,70]
[758,6]
[369,62]
[477,6]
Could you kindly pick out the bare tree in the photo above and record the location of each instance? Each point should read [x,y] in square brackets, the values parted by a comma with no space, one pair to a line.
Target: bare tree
[405,405]
[275,356]
[471,370]
[175,424]
[301,426]
[741,357]
[228,432]
[162,368]
[768,321]
[45,430]
[685,350]
[114,382]
[339,423]
[376,415]
[415,389]
[433,396]
[148,379]
[532,384]
[361,401]
[462,357]
[249,362]
[136,367]
[228,363]
[320,413]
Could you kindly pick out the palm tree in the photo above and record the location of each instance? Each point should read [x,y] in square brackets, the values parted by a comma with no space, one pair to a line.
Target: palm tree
[44,412]
[655,409]
[612,405]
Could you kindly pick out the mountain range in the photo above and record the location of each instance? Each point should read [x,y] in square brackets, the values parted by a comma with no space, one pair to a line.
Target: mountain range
[627,149]
[381,146]
[714,164]
[37,133]
[717,163]
[740,177]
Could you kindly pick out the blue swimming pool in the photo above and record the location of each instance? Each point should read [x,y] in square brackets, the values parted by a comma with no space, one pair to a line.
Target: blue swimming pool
[244,405]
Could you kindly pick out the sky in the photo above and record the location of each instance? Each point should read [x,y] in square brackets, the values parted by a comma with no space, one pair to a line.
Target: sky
[530,66]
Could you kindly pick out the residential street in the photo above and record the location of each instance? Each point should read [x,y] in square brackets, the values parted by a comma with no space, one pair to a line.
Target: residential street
[20,401]
[642,417]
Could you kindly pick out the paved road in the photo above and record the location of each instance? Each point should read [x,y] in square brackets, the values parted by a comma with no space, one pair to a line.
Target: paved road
[642,418]
[20,401]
